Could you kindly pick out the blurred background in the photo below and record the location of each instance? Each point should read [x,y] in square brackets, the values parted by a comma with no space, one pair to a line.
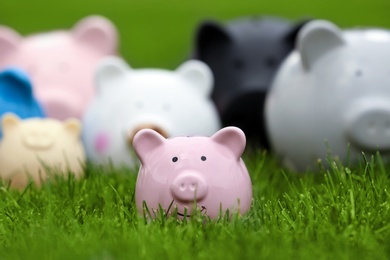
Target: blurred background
[159,33]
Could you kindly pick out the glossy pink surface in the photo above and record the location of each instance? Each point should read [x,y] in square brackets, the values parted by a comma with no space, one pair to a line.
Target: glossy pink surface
[61,64]
[208,170]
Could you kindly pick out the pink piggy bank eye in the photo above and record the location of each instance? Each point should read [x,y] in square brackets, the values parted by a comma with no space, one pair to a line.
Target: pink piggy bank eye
[32,69]
[63,66]
[203,158]
[174,159]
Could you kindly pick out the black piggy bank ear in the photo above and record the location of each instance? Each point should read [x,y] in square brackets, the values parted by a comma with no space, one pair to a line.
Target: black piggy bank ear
[292,34]
[209,35]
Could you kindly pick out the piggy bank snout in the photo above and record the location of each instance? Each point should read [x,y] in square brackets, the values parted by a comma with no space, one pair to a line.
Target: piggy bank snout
[189,186]
[58,109]
[36,140]
[370,127]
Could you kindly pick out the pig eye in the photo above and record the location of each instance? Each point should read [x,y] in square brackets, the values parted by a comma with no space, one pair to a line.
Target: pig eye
[139,104]
[63,66]
[238,64]
[32,69]
[270,62]
[358,73]
[166,107]
[203,158]
[174,159]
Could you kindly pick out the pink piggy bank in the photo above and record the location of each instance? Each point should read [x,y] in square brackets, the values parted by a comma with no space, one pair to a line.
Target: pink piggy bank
[206,173]
[61,64]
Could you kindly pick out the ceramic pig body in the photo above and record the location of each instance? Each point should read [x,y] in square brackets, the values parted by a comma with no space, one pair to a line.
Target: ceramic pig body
[16,95]
[330,92]
[127,100]
[31,145]
[244,56]
[61,64]
[207,171]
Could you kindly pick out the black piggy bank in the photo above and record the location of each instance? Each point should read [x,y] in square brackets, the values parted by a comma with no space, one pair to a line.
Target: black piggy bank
[244,56]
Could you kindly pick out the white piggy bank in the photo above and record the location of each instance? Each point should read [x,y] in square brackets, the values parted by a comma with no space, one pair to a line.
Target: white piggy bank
[127,100]
[331,92]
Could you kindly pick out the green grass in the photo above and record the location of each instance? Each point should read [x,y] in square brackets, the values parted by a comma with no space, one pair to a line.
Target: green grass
[340,213]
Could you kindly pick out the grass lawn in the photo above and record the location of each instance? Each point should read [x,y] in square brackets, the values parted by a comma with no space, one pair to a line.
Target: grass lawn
[340,213]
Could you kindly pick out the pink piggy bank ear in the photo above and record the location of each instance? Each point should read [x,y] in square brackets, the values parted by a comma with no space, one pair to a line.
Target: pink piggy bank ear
[9,40]
[145,141]
[97,32]
[233,138]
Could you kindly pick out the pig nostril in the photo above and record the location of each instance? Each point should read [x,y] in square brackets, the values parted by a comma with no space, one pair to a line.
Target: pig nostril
[139,104]
[166,107]
[63,66]
[193,186]
[387,128]
[371,128]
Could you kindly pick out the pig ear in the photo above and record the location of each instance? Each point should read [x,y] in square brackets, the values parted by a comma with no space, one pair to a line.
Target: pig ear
[98,32]
[232,138]
[73,126]
[199,74]
[145,141]
[9,40]
[15,85]
[209,36]
[9,122]
[109,72]
[317,38]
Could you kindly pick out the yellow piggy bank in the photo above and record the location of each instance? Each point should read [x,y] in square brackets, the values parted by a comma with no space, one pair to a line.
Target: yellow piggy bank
[32,148]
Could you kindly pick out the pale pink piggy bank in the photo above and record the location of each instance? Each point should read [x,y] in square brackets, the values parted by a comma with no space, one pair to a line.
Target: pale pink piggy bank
[61,63]
[206,173]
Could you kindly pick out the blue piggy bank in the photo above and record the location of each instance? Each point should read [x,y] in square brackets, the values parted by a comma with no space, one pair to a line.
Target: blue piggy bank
[16,95]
